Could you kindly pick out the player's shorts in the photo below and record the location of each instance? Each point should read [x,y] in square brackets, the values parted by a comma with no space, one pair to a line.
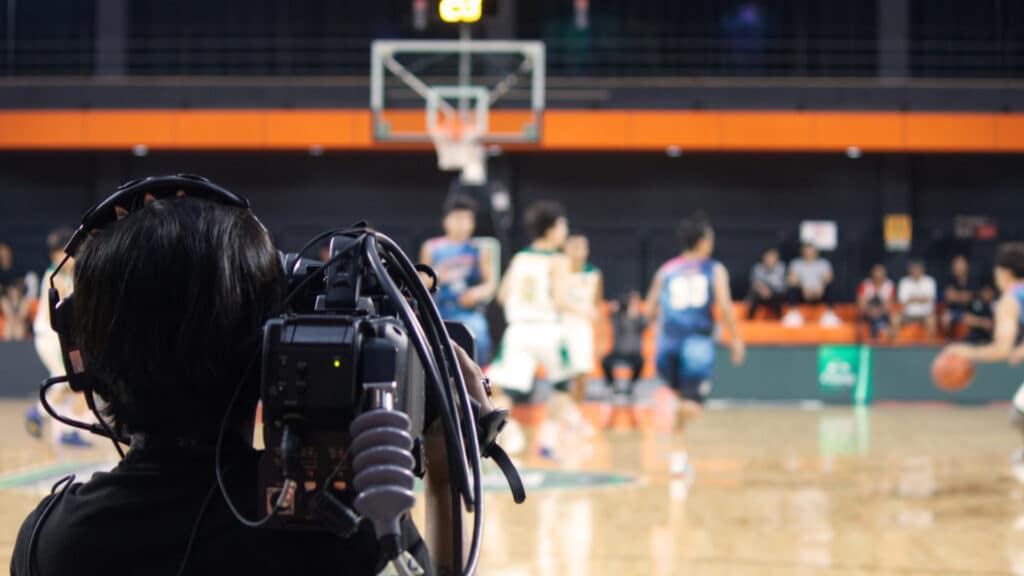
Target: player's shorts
[579,340]
[687,365]
[48,348]
[481,330]
[525,347]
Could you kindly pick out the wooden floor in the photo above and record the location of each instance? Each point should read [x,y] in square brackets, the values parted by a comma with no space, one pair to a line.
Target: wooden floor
[779,491]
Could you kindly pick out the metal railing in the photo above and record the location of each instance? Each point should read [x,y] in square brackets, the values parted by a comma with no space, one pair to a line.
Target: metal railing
[567,56]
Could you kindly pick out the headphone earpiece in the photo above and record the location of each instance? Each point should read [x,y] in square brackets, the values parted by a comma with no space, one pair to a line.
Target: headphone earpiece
[62,314]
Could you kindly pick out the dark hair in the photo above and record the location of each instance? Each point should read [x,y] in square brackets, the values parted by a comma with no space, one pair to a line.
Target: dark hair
[693,229]
[58,239]
[541,216]
[1011,257]
[456,202]
[169,308]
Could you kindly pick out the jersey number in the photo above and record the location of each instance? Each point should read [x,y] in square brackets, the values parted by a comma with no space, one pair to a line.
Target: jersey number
[528,290]
[688,292]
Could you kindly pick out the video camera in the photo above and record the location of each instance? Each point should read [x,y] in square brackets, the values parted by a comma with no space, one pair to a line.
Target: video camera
[354,371]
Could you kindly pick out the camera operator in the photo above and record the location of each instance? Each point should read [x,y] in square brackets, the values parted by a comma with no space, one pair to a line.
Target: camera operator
[170,302]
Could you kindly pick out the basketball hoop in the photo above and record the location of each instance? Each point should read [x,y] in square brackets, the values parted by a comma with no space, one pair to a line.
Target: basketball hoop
[457,135]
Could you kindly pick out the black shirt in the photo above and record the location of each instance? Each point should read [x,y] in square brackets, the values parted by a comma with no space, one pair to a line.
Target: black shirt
[629,333]
[960,285]
[136,519]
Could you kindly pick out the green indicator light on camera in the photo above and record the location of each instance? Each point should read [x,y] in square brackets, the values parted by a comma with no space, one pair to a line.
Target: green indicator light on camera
[337,363]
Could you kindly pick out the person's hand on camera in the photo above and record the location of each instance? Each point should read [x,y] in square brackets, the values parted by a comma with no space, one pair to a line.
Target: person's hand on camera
[474,378]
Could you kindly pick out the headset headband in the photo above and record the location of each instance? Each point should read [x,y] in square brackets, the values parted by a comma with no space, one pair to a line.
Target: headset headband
[135,194]
[128,198]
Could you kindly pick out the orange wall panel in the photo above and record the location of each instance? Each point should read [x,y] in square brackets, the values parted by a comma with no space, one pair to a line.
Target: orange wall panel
[306,128]
[658,130]
[880,131]
[220,129]
[965,132]
[37,129]
[1010,133]
[766,131]
[610,130]
[585,130]
[104,129]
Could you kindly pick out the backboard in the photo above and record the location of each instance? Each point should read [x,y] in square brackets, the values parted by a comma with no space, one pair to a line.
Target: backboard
[460,95]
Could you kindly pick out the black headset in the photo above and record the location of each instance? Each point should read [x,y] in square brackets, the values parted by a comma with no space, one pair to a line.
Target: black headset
[128,198]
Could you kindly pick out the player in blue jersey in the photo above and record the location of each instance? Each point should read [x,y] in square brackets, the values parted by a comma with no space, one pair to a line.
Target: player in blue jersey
[680,301]
[465,277]
[1008,314]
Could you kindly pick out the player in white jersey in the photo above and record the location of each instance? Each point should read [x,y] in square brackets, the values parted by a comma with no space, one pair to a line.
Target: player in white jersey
[535,296]
[586,290]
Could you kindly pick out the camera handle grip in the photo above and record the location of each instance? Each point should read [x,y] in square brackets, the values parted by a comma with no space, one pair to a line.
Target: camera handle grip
[489,426]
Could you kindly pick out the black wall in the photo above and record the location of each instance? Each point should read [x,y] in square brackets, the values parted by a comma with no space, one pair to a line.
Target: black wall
[628,204]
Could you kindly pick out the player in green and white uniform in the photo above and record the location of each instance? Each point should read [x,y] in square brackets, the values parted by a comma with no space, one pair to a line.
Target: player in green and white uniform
[586,291]
[535,296]
[534,284]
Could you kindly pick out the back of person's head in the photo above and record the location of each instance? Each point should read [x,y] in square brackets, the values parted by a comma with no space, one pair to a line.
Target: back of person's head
[460,203]
[1011,259]
[169,308]
[56,241]
[694,229]
[542,216]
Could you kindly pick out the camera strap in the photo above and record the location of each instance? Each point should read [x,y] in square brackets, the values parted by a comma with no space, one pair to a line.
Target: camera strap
[489,426]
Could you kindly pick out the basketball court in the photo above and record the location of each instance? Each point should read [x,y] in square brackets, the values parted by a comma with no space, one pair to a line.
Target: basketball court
[780,490]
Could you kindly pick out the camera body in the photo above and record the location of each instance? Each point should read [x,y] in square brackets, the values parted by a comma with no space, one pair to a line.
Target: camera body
[313,374]
[322,362]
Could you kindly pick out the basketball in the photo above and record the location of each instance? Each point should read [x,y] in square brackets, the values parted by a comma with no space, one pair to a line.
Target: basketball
[952,372]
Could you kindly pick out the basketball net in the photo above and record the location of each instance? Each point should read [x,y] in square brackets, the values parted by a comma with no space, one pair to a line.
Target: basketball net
[459,148]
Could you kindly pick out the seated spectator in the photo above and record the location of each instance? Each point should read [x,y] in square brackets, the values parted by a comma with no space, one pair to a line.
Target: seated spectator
[767,284]
[917,294]
[979,316]
[810,278]
[959,294]
[14,302]
[628,325]
[875,299]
